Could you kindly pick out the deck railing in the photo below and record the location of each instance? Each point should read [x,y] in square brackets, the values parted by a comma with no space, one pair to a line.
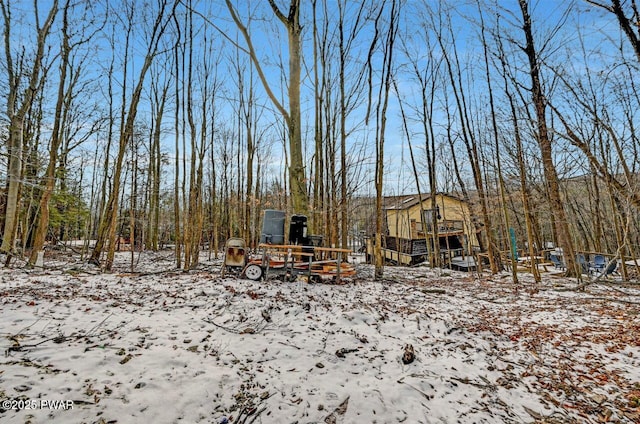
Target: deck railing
[444,226]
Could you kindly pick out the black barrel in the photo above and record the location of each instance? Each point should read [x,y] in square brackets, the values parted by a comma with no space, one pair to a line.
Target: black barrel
[298,230]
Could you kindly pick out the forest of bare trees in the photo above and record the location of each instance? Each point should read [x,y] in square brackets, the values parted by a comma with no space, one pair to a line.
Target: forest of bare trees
[175,124]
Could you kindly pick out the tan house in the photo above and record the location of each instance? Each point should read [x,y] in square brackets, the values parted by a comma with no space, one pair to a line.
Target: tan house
[411,232]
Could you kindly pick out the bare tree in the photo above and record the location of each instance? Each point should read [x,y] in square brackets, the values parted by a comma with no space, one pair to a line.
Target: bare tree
[494,127]
[66,92]
[292,117]
[191,216]
[350,95]
[544,141]
[382,102]
[159,94]
[177,226]
[627,23]
[427,75]
[453,67]
[18,105]
[107,229]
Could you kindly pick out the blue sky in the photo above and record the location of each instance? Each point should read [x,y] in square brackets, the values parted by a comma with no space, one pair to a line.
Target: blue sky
[597,30]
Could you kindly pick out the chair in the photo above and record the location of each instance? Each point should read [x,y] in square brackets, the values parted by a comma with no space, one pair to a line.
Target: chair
[612,268]
[557,263]
[598,264]
[235,256]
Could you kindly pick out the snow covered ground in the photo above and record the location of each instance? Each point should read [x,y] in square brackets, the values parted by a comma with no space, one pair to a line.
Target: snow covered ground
[165,346]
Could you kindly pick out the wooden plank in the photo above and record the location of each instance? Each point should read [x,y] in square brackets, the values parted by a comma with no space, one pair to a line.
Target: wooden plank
[333,249]
[328,261]
[305,254]
[281,246]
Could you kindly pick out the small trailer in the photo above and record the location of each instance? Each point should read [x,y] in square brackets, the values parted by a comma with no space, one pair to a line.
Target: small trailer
[303,256]
[290,261]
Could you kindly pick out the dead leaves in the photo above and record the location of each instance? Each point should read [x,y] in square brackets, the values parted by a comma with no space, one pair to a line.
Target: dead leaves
[339,411]
[572,349]
[342,352]
[409,354]
[126,359]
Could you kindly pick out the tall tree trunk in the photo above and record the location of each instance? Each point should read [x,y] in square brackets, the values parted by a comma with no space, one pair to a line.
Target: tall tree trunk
[318,163]
[501,183]
[299,197]
[472,151]
[56,138]
[188,108]
[427,79]
[16,116]
[381,124]
[343,134]
[292,117]
[546,149]
[194,220]
[133,205]
[177,226]
[107,231]
[155,168]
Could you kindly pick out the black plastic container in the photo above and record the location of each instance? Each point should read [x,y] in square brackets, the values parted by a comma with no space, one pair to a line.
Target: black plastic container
[298,230]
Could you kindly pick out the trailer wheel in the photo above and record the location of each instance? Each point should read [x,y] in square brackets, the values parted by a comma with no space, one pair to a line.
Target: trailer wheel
[253,272]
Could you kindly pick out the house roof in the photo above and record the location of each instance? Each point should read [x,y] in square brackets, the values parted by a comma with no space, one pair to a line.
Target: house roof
[409,200]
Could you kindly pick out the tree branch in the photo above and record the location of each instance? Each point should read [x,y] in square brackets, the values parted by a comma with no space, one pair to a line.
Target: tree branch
[278,13]
[256,63]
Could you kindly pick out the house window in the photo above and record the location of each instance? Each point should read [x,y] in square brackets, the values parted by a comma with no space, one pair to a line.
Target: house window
[428,215]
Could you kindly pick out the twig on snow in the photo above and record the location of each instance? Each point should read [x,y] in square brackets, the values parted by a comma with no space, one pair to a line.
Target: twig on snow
[95,327]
